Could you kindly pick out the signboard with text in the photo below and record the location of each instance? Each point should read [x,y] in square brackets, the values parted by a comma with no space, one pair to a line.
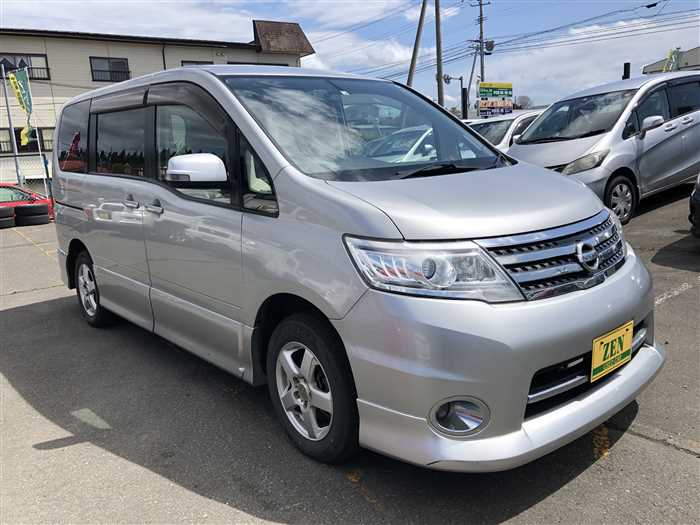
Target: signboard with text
[495,98]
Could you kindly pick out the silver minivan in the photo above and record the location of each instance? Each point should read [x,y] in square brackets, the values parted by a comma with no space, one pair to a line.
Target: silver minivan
[625,140]
[453,308]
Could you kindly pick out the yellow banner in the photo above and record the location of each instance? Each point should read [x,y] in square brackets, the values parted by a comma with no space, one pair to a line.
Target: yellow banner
[496,85]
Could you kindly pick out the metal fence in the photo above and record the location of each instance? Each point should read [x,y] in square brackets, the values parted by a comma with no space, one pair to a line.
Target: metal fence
[31,167]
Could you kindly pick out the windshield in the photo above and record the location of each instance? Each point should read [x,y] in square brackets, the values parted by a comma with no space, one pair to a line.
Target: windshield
[352,130]
[578,117]
[492,131]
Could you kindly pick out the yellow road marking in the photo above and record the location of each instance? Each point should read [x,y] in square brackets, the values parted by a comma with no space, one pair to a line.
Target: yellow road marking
[49,254]
[355,477]
[601,442]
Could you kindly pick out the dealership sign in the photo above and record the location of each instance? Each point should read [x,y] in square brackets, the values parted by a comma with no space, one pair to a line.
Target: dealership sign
[495,98]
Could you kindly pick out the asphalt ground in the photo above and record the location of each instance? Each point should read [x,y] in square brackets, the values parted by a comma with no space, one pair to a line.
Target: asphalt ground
[120,426]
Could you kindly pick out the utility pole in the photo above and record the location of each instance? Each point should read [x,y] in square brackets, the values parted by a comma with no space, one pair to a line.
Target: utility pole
[481,37]
[471,77]
[438,54]
[416,44]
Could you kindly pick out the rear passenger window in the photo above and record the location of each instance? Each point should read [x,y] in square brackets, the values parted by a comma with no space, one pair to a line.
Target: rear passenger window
[655,104]
[182,132]
[73,137]
[120,142]
[685,98]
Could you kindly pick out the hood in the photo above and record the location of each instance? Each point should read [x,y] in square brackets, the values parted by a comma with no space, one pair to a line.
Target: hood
[550,154]
[502,201]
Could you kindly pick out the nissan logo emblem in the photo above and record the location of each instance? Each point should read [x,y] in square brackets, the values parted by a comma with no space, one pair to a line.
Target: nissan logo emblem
[587,256]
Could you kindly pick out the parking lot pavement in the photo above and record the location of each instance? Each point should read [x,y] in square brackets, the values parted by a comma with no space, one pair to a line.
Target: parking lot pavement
[120,426]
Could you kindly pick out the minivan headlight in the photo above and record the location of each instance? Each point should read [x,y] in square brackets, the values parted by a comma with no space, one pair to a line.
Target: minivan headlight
[455,269]
[587,162]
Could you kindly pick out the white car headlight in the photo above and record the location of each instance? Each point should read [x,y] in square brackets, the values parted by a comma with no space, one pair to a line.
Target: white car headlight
[457,270]
[587,162]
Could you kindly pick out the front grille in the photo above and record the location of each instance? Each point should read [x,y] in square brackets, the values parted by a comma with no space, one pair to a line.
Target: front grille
[551,262]
[555,385]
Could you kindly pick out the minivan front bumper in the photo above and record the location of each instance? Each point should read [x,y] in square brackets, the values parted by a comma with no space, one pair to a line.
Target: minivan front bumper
[410,353]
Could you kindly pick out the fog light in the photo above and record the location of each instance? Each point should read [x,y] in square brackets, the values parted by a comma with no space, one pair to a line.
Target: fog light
[459,416]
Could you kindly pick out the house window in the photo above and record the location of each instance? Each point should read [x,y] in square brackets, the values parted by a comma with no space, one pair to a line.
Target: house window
[46,135]
[37,66]
[46,139]
[109,69]
[186,63]
[5,144]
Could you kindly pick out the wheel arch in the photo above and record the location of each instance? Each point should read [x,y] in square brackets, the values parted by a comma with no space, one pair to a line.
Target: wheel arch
[271,312]
[628,173]
[75,247]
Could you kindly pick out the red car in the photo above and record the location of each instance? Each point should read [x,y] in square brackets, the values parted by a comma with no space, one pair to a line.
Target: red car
[12,195]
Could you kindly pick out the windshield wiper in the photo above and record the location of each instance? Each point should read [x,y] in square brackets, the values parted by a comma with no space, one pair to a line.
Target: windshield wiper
[589,134]
[543,140]
[443,168]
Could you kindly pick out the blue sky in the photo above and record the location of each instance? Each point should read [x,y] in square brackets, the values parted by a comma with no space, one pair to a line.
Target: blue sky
[368,35]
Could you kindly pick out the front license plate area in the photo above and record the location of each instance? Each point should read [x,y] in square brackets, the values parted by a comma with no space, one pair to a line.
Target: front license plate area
[612,350]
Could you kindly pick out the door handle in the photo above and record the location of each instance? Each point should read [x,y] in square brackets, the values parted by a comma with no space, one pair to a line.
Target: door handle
[155,207]
[670,127]
[129,202]
[687,120]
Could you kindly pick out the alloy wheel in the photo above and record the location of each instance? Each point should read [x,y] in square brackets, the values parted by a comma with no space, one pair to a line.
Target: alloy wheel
[87,289]
[304,391]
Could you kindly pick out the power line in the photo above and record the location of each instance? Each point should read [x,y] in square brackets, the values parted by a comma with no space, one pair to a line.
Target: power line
[611,35]
[400,31]
[362,25]
[683,14]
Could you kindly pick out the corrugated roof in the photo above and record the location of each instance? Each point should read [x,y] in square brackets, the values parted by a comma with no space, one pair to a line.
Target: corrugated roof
[281,37]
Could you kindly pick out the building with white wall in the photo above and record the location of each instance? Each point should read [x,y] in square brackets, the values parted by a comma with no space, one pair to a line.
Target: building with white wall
[64,64]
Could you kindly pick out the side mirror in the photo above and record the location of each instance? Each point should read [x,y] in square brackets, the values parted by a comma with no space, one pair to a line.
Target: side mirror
[651,122]
[196,167]
[514,139]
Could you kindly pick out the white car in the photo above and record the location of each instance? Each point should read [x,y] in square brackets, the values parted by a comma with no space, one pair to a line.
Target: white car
[413,144]
[501,130]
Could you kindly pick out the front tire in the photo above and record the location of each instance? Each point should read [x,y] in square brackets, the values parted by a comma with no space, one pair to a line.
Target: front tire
[312,389]
[89,294]
[621,197]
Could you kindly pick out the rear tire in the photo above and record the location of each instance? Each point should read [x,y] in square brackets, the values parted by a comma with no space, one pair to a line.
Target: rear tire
[31,220]
[307,368]
[89,293]
[27,210]
[621,197]
[7,222]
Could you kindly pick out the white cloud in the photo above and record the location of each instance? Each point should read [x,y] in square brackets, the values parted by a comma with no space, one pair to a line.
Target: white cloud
[342,14]
[551,73]
[189,19]
[413,13]
[350,51]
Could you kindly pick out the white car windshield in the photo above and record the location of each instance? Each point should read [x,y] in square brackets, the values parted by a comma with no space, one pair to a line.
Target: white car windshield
[355,129]
[578,118]
[492,131]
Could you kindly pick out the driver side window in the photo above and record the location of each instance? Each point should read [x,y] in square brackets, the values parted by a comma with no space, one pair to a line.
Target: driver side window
[182,135]
[653,105]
